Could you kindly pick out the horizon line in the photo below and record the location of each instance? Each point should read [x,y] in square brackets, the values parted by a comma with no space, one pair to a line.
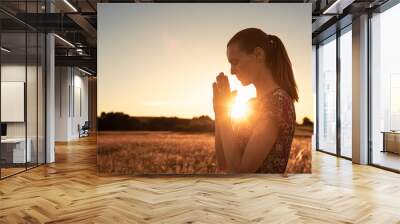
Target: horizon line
[173,116]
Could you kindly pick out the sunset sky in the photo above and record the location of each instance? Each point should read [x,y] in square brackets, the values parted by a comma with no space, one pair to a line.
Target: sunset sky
[161,59]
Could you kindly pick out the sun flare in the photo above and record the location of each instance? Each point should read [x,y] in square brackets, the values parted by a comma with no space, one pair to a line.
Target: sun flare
[240,108]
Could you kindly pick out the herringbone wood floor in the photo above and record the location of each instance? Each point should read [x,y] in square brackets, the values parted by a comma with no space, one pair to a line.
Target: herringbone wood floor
[69,191]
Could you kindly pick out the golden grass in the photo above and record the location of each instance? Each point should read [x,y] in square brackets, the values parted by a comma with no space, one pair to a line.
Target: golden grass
[174,153]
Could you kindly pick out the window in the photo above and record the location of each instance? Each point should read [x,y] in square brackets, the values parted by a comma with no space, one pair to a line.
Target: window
[327,95]
[385,88]
[22,93]
[346,92]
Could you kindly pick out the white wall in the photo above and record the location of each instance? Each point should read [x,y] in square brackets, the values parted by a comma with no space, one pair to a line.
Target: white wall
[62,80]
[12,73]
[71,93]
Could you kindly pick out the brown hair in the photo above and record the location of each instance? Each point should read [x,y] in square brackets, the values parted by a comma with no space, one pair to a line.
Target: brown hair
[277,59]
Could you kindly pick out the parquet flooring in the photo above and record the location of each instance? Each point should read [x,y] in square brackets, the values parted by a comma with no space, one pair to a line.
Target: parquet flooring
[10,171]
[70,191]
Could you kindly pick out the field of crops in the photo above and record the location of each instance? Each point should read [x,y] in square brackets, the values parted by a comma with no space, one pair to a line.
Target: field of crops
[173,152]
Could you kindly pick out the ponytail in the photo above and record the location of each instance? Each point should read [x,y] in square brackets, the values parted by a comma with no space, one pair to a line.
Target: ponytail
[277,59]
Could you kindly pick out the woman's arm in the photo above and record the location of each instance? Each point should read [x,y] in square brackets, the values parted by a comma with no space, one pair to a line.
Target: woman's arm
[259,145]
[218,149]
[231,150]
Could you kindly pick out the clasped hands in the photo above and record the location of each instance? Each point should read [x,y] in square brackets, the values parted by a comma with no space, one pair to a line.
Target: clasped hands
[222,96]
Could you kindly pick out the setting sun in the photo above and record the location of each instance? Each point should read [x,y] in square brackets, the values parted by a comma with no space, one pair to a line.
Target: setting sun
[240,108]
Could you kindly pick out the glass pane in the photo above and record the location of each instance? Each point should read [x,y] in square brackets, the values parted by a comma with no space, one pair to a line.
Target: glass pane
[42,6]
[13,6]
[31,100]
[41,99]
[327,96]
[386,89]
[32,7]
[7,23]
[13,86]
[345,94]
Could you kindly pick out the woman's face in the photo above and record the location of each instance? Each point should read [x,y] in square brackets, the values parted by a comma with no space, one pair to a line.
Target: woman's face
[245,66]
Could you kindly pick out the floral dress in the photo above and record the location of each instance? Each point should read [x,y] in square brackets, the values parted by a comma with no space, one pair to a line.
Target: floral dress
[276,105]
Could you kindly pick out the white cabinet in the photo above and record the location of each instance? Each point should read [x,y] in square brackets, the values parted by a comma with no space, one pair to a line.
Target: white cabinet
[19,155]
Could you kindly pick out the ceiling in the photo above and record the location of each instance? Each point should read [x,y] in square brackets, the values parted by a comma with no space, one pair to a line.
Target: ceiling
[76,22]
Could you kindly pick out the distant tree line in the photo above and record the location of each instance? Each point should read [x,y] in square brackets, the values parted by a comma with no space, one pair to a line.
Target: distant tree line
[118,121]
[307,122]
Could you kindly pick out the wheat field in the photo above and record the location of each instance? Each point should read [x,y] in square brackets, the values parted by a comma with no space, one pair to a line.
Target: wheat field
[121,153]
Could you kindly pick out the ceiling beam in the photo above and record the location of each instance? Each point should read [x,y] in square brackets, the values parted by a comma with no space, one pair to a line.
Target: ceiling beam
[86,27]
[82,61]
[337,7]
